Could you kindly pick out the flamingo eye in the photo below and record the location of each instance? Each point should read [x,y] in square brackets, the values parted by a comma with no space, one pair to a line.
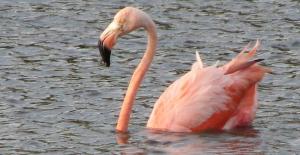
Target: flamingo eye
[123,28]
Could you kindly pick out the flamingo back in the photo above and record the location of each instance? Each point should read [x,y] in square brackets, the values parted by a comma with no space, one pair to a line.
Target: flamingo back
[209,97]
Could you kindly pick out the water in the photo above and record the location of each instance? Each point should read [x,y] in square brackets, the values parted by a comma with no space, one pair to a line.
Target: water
[56,98]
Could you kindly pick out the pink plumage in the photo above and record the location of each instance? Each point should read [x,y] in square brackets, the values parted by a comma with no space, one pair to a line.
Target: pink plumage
[209,98]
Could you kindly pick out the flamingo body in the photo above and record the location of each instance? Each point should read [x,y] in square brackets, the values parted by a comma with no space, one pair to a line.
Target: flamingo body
[209,98]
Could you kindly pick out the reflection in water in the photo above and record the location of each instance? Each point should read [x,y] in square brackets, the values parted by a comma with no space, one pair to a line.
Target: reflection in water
[241,141]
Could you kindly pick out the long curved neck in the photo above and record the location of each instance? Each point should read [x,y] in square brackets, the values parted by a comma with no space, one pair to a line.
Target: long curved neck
[137,78]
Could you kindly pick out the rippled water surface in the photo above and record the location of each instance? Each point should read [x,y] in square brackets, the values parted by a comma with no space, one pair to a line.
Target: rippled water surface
[57,98]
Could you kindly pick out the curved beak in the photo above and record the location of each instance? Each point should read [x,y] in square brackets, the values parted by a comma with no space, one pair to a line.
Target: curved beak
[107,41]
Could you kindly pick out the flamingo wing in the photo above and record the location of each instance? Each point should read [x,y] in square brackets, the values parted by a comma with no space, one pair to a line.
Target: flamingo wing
[190,100]
[210,97]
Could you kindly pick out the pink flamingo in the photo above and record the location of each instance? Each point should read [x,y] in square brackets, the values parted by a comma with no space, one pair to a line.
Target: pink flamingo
[205,98]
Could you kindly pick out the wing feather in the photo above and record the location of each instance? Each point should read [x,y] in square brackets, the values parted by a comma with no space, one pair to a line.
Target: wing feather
[190,100]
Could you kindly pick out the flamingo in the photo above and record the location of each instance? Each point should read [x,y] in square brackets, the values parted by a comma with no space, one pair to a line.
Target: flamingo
[205,98]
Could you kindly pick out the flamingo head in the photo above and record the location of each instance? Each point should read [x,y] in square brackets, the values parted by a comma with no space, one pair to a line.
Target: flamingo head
[125,21]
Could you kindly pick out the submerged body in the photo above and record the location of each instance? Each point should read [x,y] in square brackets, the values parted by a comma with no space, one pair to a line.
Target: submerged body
[210,98]
[205,98]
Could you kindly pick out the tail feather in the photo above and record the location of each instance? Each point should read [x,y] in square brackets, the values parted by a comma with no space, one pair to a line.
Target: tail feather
[242,60]
[254,49]
[242,66]
[245,49]
[252,52]
[199,60]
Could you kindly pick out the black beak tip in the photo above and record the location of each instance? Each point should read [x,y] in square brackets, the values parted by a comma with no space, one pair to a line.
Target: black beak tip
[107,64]
[105,53]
